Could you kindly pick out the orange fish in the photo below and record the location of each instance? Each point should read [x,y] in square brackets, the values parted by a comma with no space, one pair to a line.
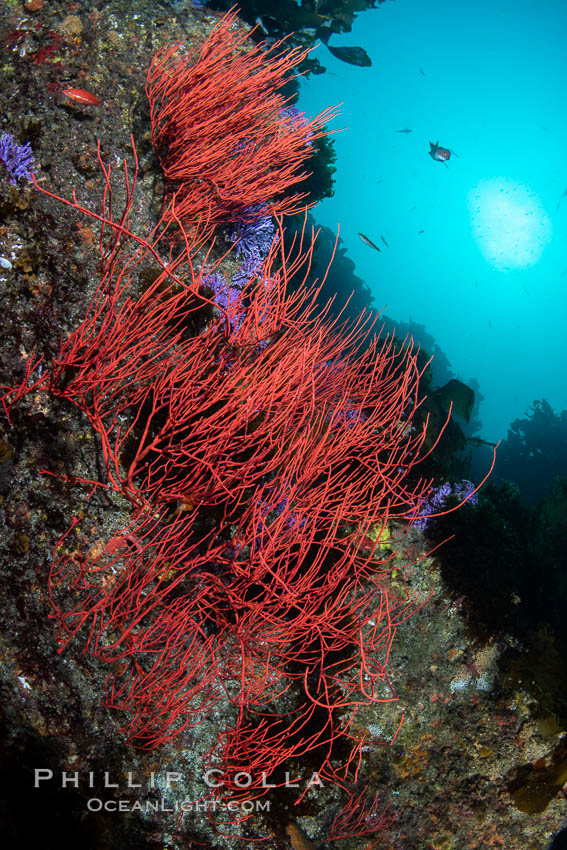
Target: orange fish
[438,153]
[299,841]
[85,98]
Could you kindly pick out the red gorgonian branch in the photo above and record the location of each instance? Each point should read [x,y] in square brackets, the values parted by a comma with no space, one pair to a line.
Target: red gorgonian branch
[220,128]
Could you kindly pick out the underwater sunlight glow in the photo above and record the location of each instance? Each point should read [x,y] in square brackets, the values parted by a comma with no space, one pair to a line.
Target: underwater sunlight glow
[509,223]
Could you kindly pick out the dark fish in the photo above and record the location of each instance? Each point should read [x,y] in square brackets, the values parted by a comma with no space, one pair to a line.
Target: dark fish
[381,180]
[454,396]
[438,153]
[352,55]
[421,231]
[368,242]
[405,130]
[422,72]
[384,241]
[489,324]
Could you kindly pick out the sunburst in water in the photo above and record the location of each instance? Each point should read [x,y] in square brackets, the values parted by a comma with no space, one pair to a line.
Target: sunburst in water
[509,223]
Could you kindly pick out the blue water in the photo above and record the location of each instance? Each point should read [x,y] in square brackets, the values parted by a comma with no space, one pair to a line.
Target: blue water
[487,277]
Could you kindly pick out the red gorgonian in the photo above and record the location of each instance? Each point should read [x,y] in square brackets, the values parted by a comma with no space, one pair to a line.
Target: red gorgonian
[268,451]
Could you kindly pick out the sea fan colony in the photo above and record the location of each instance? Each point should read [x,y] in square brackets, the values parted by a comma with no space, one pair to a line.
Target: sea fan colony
[264,447]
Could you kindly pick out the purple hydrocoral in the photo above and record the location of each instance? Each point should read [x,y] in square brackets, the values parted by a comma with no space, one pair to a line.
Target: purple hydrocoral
[254,235]
[459,490]
[18,159]
[222,294]
[293,115]
[281,506]
[350,417]
[225,296]
[251,268]
[246,272]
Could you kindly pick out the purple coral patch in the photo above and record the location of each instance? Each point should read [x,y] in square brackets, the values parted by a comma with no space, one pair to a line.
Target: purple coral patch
[254,235]
[460,491]
[18,159]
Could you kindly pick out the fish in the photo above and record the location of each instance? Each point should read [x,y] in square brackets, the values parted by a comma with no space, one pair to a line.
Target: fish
[405,130]
[438,153]
[298,839]
[352,55]
[384,241]
[421,231]
[422,72]
[368,242]
[85,98]
[454,396]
